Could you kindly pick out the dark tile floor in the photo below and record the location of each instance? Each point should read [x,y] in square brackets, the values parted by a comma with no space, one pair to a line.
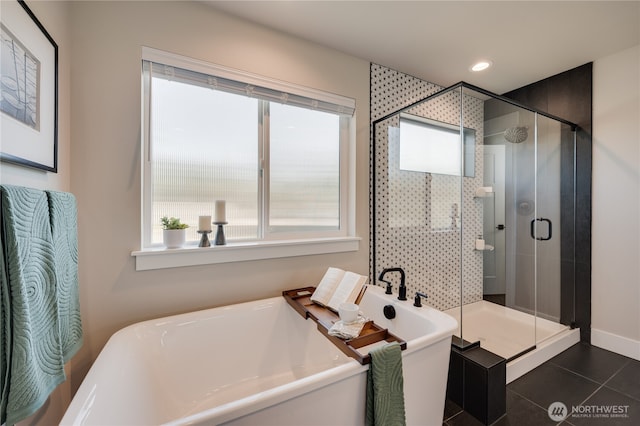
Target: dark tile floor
[601,386]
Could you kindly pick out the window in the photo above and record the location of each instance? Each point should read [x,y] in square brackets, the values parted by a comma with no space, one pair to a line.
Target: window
[436,150]
[434,147]
[275,152]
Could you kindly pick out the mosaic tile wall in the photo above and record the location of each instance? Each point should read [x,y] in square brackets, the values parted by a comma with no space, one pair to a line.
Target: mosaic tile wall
[437,261]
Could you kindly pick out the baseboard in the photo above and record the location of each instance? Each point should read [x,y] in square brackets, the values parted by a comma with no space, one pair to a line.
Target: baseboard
[614,343]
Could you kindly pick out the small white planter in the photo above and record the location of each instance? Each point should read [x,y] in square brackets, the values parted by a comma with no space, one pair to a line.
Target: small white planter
[174,238]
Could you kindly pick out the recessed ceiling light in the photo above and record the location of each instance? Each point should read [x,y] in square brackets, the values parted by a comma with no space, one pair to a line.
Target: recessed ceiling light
[480,66]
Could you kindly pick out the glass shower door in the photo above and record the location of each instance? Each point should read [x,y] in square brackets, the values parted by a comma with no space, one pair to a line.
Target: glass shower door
[528,161]
[520,249]
[552,226]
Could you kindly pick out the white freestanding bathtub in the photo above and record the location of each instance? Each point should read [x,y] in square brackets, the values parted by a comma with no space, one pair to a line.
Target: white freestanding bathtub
[257,363]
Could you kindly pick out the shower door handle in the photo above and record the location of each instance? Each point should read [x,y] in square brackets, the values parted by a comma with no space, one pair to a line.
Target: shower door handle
[533,229]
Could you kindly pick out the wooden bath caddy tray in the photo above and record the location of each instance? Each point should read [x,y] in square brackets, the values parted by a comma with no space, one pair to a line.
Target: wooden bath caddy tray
[300,300]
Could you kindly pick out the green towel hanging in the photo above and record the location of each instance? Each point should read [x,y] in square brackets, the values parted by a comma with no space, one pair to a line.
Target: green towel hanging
[33,361]
[385,387]
[64,230]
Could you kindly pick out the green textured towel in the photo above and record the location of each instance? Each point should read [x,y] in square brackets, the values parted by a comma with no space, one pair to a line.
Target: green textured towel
[33,360]
[5,331]
[64,230]
[385,387]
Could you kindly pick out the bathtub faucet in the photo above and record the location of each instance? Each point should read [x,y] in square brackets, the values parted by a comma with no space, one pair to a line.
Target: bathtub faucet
[402,290]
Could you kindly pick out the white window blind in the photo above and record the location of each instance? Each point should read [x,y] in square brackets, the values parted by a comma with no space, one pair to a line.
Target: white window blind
[199,73]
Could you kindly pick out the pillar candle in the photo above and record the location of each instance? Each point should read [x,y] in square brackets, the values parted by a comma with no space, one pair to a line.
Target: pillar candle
[221,214]
[204,223]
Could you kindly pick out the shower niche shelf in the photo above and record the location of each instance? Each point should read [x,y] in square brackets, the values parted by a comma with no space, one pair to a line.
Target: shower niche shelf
[300,301]
[487,247]
[483,192]
[480,245]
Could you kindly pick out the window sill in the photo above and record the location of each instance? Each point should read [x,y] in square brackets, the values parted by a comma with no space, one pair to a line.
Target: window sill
[239,252]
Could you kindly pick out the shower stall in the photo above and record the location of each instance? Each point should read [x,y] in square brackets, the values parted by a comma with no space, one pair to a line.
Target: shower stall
[474,197]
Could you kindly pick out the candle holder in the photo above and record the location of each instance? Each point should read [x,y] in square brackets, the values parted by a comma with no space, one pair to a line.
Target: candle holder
[220,240]
[204,239]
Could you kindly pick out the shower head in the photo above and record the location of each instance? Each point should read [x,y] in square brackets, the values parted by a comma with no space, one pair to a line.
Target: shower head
[516,134]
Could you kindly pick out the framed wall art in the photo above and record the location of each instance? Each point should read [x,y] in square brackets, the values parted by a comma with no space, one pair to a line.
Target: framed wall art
[28,89]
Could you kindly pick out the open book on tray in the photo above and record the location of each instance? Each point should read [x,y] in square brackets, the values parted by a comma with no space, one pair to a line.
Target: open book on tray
[338,286]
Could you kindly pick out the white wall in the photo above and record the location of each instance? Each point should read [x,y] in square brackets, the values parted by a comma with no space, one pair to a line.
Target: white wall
[616,203]
[106,63]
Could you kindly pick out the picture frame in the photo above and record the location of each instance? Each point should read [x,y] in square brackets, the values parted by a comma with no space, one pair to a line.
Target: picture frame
[28,90]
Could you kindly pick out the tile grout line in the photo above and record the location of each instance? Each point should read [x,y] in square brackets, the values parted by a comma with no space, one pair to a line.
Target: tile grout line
[546,410]
[454,415]
[602,385]
[527,399]
[617,390]
[586,377]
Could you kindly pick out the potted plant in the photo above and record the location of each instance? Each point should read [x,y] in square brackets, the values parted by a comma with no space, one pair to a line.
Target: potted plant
[173,232]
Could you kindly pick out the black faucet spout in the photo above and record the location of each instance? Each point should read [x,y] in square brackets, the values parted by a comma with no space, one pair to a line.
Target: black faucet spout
[402,290]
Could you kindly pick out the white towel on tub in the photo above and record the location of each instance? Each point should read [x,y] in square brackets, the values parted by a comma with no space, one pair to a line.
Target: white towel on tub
[345,330]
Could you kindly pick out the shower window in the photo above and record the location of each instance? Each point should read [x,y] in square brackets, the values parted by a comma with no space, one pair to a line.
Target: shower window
[430,158]
[433,147]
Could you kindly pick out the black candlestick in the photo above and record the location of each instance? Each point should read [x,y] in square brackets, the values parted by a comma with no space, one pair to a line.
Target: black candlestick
[204,240]
[220,240]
